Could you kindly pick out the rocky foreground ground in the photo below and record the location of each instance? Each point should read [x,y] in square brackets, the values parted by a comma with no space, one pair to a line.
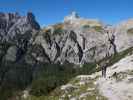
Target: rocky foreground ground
[117,86]
[95,87]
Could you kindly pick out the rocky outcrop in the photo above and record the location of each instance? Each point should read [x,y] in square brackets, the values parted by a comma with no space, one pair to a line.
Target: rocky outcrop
[124,36]
[16,34]
[17,31]
[77,41]
[12,24]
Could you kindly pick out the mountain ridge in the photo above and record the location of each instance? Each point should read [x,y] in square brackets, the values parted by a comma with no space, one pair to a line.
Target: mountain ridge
[26,49]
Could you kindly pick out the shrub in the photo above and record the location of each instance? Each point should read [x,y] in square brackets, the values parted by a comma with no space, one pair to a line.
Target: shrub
[58,29]
[43,98]
[130,31]
[86,68]
[97,28]
[51,77]
[86,26]
[13,77]
[6,92]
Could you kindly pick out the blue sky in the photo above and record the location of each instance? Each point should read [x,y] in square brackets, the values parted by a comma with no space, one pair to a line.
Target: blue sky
[53,11]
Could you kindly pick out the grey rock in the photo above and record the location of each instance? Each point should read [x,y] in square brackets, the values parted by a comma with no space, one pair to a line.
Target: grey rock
[124,39]
[75,43]
[18,31]
[11,54]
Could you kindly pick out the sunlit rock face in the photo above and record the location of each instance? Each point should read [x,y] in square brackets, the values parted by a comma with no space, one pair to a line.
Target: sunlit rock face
[71,18]
[77,40]
[12,24]
[16,34]
[124,35]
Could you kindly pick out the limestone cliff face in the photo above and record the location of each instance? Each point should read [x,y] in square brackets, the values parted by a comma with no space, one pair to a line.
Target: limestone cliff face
[76,40]
[12,24]
[124,35]
[16,33]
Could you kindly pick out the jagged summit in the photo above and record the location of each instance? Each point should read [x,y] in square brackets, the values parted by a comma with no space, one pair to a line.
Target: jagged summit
[73,16]
[12,24]
[78,21]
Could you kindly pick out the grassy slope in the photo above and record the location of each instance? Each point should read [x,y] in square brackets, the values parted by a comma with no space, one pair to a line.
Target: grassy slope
[85,70]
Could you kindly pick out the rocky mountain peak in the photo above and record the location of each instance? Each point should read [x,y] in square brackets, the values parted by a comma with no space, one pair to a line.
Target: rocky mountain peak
[17,31]
[12,24]
[73,16]
[75,21]
[32,21]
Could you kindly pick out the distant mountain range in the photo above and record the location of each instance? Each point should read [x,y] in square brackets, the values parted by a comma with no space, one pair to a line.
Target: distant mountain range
[75,40]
